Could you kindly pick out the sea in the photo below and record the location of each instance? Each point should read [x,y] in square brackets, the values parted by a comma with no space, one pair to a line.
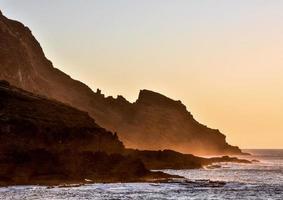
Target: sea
[259,180]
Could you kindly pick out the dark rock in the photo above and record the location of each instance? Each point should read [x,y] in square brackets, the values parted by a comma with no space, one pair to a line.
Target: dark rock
[44,141]
[153,117]
[168,159]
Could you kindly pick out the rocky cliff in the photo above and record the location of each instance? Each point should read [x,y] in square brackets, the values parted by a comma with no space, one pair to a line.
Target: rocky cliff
[43,141]
[152,122]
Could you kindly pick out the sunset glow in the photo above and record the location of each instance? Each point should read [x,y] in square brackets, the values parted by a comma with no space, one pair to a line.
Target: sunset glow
[222,59]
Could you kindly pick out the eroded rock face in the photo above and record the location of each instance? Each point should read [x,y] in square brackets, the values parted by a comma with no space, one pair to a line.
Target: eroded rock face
[29,121]
[44,141]
[169,125]
[152,122]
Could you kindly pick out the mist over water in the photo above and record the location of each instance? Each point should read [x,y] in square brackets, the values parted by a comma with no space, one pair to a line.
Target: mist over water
[263,180]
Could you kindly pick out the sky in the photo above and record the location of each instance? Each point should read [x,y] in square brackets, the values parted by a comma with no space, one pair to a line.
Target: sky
[223,59]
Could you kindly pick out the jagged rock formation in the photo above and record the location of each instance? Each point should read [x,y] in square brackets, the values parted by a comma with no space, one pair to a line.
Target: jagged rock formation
[30,120]
[44,141]
[47,142]
[170,126]
[153,117]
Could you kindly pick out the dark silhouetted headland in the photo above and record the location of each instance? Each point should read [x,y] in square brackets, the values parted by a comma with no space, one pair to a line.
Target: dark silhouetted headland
[139,125]
[44,141]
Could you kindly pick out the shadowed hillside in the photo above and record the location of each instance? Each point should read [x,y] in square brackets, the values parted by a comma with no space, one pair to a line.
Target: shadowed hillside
[44,141]
[47,142]
[153,117]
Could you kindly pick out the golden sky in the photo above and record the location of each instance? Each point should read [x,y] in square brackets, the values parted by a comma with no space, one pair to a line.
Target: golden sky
[223,59]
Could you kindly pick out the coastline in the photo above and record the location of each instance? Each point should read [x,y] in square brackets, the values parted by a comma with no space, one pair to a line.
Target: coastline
[151,176]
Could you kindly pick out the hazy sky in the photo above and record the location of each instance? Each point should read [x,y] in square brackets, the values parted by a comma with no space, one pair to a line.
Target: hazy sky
[223,59]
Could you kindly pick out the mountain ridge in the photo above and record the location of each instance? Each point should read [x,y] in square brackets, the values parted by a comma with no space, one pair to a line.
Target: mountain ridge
[152,117]
[44,141]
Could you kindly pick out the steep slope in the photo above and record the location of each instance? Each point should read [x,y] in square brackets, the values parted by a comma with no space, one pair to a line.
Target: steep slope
[169,125]
[47,142]
[153,117]
[44,141]
[31,121]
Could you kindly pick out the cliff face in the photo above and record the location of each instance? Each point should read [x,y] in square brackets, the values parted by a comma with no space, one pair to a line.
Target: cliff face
[47,142]
[44,141]
[152,122]
[169,125]
[29,121]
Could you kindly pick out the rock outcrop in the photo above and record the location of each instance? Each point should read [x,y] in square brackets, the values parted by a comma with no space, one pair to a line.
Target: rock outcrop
[168,159]
[153,117]
[43,141]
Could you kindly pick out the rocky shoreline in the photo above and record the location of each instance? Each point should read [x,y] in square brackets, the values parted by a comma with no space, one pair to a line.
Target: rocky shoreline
[45,142]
